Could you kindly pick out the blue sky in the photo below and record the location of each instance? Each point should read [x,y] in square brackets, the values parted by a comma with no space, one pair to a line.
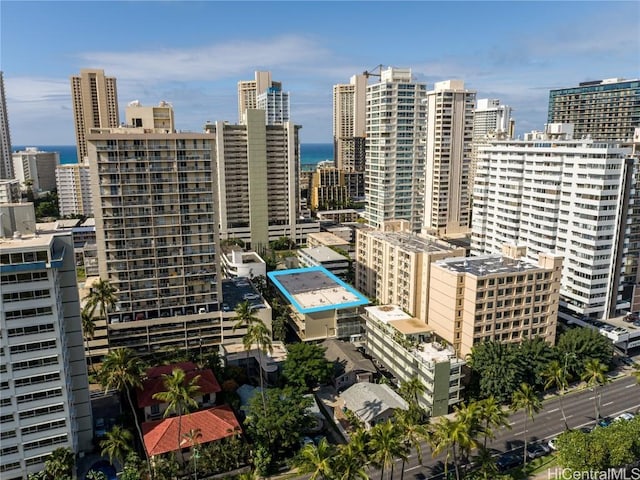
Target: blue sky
[192,54]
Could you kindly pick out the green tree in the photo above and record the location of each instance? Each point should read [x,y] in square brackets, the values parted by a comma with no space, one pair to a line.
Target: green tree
[122,371]
[353,457]
[117,444]
[412,433]
[411,391]
[487,467]
[306,365]
[493,416]
[595,376]
[133,469]
[278,429]
[499,368]
[453,437]
[526,398]
[192,437]
[280,327]
[88,331]
[636,372]
[60,464]
[582,344]
[259,335]
[103,297]
[535,354]
[317,460]
[556,376]
[386,445]
[179,395]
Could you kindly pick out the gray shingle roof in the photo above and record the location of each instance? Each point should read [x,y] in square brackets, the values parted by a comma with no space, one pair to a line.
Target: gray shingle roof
[368,400]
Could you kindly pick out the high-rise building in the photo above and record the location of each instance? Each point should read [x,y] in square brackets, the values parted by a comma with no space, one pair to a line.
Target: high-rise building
[34,166]
[392,266]
[394,170]
[73,182]
[494,297]
[258,171]
[602,109]
[552,193]
[447,198]
[156,212]
[44,392]
[95,105]
[349,124]
[275,104]
[490,120]
[328,188]
[6,164]
[249,92]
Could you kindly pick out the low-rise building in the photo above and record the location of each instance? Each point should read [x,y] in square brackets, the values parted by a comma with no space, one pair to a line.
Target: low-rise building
[327,239]
[238,263]
[404,345]
[350,366]
[154,383]
[326,257]
[253,359]
[321,305]
[372,403]
[9,190]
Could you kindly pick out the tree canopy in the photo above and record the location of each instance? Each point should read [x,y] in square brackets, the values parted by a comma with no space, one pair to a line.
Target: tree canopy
[306,365]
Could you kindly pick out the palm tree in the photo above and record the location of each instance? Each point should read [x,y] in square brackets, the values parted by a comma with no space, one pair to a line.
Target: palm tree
[487,464]
[411,390]
[386,445]
[526,398]
[493,416]
[595,375]
[245,317]
[412,433]
[178,395]
[88,331]
[557,376]
[317,460]
[352,457]
[103,297]
[117,444]
[192,437]
[59,465]
[122,371]
[468,416]
[258,334]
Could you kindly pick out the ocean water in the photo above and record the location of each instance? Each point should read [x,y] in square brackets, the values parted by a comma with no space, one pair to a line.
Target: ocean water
[310,153]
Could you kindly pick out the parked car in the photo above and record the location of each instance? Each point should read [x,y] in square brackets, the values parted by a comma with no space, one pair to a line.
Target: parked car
[507,461]
[553,443]
[605,422]
[535,450]
[626,416]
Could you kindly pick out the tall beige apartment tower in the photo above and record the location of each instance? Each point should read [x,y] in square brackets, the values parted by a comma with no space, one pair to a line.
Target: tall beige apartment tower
[6,163]
[447,205]
[258,187]
[95,105]
[157,235]
[349,123]
[250,90]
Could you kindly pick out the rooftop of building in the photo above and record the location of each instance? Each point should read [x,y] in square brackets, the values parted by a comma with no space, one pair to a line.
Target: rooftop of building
[368,400]
[346,357]
[487,265]
[315,289]
[409,241]
[213,424]
[400,320]
[26,241]
[328,238]
[238,290]
[154,383]
[279,353]
[323,254]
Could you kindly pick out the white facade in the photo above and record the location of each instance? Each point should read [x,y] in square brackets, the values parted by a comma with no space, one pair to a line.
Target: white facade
[447,198]
[73,182]
[394,171]
[275,104]
[44,394]
[6,164]
[551,193]
[248,91]
[237,263]
[38,167]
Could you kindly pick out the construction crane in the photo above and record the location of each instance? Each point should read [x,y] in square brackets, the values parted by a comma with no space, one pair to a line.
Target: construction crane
[372,73]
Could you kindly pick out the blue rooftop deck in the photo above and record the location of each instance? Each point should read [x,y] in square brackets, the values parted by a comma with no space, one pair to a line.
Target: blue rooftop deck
[315,289]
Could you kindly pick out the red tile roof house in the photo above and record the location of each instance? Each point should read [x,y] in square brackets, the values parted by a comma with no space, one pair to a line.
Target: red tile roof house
[161,436]
[154,383]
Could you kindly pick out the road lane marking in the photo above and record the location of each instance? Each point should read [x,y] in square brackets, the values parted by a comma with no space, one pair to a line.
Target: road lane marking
[608,403]
[412,468]
[629,386]
[554,410]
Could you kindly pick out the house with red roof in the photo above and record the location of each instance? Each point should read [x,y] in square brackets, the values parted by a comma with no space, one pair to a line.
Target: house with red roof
[154,383]
[213,424]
